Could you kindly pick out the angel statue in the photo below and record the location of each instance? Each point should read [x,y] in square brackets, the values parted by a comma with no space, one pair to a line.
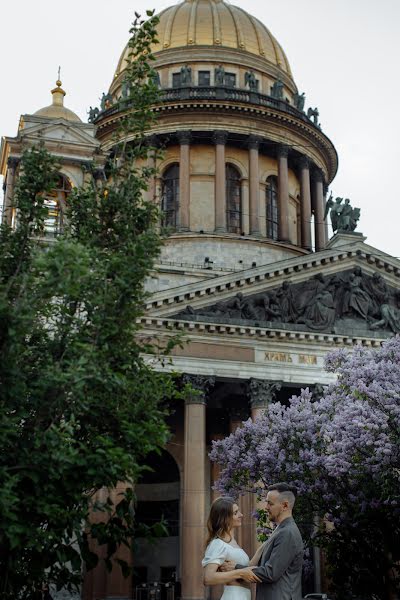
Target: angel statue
[334,208]
[343,216]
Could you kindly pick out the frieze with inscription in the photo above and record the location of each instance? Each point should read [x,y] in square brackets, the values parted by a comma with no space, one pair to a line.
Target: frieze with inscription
[346,303]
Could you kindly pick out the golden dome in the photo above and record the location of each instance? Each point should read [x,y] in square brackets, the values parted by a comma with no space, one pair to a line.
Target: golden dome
[218,24]
[57,110]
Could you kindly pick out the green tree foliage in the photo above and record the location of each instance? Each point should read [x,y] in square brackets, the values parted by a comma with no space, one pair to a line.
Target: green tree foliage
[80,408]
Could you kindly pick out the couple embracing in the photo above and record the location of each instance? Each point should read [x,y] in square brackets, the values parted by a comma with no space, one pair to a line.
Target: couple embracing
[276,566]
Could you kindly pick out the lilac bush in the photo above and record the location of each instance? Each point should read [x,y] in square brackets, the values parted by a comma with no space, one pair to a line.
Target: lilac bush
[342,452]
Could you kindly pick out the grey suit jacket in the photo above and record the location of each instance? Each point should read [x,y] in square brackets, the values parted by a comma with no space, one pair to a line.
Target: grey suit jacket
[281,564]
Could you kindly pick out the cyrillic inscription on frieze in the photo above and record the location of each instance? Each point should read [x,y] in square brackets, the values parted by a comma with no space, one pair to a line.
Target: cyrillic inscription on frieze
[278,357]
[307,359]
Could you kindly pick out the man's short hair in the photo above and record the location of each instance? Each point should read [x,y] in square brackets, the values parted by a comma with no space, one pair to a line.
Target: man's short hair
[286,492]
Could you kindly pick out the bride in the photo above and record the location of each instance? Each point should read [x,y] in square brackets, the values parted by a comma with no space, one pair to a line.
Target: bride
[224,517]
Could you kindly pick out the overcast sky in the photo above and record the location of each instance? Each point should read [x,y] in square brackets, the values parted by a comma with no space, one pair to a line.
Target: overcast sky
[344,55]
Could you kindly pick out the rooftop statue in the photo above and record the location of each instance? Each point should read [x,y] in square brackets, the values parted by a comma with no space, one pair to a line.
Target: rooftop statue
[313,113]
[219,75]
[186,75]
[93,114]
[251,81]
[299,101]
[277,90]
[106,101]
[343,216]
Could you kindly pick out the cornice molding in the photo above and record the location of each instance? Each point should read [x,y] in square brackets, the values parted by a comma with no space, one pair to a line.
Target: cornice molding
[245,331]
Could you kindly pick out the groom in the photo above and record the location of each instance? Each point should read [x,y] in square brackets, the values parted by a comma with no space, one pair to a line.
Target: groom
[280,558]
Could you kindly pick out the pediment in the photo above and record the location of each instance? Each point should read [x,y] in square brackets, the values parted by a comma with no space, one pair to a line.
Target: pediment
[350,288]
[60,131]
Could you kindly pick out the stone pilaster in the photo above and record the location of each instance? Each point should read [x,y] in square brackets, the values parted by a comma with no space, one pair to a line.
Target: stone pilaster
[184,138]
[283,192]
[9,191]
[220,139]
[305,203]
[318,198]
[194,487]
[254,185]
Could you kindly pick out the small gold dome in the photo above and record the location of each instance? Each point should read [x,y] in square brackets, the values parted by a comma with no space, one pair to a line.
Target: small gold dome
[214,23]
[57,110]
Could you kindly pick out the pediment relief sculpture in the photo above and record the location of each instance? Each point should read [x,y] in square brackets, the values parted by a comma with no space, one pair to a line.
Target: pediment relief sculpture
[337,303]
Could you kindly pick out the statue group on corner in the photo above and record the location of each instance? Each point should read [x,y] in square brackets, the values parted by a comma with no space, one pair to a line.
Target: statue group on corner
[325,303]
[343,216]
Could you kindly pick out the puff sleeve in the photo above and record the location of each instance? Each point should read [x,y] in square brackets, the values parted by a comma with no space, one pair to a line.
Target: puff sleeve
[215,553]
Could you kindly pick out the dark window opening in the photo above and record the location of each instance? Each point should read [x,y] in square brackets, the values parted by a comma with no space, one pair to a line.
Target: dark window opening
[233,200]
[170,197]
[176,80]
[230,79]
[204,77]
[271,195]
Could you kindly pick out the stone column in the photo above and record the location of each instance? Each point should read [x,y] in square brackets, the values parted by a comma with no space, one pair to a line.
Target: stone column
[326,188]
[184,180]
[254,185]
[261,393]
[283,192]
[9,191]
[194,487]
[305,203]
[246,502]
[318,197]
[220,139]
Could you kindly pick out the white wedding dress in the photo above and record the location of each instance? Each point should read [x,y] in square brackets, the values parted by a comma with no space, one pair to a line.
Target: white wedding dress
[217,552]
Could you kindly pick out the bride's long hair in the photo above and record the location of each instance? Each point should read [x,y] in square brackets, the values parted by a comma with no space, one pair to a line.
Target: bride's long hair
[220,518]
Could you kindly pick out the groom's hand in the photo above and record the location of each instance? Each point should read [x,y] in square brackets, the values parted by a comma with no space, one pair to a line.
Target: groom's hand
[228,565]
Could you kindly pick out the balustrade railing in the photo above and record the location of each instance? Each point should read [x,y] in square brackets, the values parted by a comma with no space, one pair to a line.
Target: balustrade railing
[226,93]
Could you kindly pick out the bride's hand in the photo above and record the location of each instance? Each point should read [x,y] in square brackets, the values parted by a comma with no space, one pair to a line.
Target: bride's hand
[228,565]
[248,575]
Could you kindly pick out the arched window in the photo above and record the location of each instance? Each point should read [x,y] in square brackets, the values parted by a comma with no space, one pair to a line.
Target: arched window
[271,197]
[233,200]
[170,196]
[56,202]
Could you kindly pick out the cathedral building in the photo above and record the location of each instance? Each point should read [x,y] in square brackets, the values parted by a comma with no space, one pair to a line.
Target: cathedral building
[248,273]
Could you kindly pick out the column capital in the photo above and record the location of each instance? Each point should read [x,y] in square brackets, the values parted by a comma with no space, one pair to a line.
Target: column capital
[254,141]
[12,162]
[152,140]
[184,136]
[201,384]
[262,392]
[220,137]
[318,175]
[325,188]
[282,150]
[304,162]
[99,174]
